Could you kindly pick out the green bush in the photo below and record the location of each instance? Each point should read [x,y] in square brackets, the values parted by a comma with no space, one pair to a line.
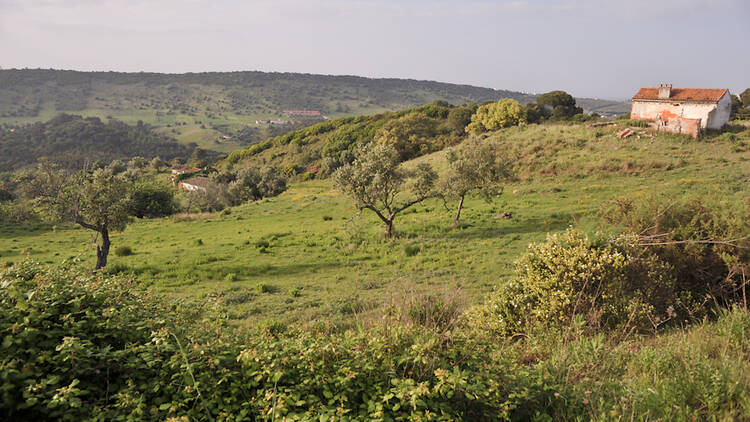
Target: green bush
[265,288]
[570,276]
[703,245]
[563,276]
[123,251]
[77,346]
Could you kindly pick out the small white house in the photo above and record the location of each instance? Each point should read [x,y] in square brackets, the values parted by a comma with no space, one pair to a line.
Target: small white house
[195,184]
[682,110]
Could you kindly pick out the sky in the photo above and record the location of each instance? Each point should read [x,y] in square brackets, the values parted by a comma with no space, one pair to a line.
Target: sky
[590,48]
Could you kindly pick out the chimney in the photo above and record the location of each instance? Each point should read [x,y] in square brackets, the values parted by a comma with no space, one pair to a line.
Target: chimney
[665,91]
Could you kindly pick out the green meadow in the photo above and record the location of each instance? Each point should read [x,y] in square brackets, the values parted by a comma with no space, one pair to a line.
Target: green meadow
[308,255]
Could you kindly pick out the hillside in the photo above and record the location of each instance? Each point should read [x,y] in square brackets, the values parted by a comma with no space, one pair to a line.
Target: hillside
[297,307]
[565,174]
[329,144]
[203,107]
[73,141]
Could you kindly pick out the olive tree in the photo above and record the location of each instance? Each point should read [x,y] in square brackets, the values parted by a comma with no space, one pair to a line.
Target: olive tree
[474,166]
[97,201]
[377,181]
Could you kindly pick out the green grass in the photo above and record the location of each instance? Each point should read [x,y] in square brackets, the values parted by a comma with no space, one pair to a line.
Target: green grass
[310,241]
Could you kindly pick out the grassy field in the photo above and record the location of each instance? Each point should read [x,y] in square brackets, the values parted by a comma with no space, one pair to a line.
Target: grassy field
[307,256]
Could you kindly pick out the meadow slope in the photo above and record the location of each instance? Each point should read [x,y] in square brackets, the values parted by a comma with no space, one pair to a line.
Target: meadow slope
[308,256]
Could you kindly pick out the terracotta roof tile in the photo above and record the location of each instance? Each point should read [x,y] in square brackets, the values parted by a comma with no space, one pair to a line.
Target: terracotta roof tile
[682,94]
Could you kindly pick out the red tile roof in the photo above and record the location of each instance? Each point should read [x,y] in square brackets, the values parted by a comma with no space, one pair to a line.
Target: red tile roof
[682,94]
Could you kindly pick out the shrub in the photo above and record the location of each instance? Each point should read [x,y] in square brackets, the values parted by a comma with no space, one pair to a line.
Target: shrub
[149,199]
[265,288]
[123,251]
[497,115]
[569,276]
[704,245]
[230,277]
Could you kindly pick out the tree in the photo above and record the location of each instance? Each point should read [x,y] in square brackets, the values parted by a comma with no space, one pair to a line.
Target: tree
[157,164]
[148,199]
[411,135]
[536,113]
[745,97]
[460,117]
[736,107]
[96,201]
[249,184]
[561,104]
[493,116]
[137,162]
[474,167]
[377,181]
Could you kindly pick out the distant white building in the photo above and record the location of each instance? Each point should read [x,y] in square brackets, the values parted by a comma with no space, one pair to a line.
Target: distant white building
[682,110]
[195,184]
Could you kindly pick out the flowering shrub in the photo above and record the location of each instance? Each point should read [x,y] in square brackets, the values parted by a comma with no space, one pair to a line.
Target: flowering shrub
[569,276]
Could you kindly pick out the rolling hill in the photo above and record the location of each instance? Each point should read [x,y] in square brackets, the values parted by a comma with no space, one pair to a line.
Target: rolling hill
[204,107]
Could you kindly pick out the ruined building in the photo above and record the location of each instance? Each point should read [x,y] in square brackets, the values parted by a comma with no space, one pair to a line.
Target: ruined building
[682,110]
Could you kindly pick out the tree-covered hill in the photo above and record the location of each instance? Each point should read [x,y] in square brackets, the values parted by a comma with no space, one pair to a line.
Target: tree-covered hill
[328,145]
[28,93]
[73,141]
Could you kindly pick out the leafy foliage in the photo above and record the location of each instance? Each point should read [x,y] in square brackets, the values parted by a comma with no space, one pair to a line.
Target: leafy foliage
[149,199]
[474,166]
[375,181]
[74,141]
[494,116]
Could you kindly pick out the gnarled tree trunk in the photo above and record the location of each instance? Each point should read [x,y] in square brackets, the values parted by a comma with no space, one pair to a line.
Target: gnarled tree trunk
[102,251]
[458,213]
[389,228]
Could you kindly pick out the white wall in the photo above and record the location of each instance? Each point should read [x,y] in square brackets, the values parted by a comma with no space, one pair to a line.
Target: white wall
[721,115]
[712,116]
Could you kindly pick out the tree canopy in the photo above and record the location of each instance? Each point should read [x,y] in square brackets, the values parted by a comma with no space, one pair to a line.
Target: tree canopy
[474,166]
[497,115]
[97,201]
[376,181]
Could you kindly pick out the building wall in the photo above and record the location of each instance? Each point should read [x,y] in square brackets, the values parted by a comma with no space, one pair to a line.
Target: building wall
[668,122]
[720,116]
[650,110]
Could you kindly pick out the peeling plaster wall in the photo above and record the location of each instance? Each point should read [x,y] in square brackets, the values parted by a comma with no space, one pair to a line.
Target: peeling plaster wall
[720,116]
[711,115]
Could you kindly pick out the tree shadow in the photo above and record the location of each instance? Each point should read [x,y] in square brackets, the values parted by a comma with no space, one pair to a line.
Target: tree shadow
[522,226]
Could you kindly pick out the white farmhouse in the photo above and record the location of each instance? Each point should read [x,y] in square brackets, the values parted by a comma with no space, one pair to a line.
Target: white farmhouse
[682,110]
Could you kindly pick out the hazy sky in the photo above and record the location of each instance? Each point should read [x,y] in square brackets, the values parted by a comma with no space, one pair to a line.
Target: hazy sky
[595,48]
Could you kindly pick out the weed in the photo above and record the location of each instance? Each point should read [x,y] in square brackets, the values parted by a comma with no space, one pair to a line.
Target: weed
[266,288]
[123,251]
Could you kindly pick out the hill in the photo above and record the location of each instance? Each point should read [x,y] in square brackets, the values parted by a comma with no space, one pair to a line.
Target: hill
[327,145]
[203,107]
[296,306]
[73,141]
[338,263]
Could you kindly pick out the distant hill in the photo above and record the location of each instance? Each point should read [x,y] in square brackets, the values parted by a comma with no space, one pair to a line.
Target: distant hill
[74,141]
[224,101]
